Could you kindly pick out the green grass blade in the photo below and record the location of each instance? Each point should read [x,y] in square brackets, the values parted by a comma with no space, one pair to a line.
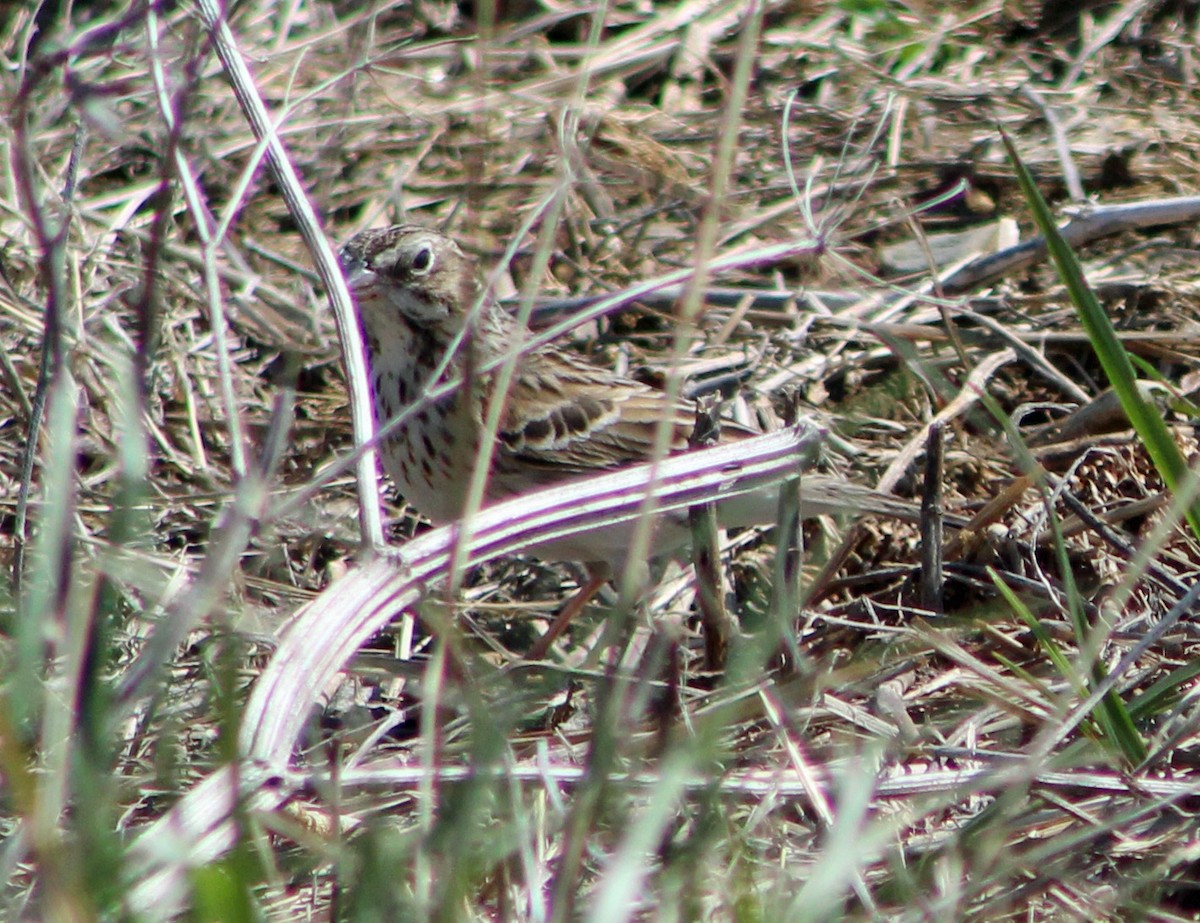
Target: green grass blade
[1112,716]
[1146,419]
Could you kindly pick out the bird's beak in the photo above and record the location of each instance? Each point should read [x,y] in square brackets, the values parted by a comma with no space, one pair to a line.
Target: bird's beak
[354,269]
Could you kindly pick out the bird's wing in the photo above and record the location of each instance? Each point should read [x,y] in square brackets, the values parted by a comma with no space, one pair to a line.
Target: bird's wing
[567,415]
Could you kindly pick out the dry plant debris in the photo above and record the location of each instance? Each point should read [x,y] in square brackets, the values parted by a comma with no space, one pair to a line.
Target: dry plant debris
[885,760]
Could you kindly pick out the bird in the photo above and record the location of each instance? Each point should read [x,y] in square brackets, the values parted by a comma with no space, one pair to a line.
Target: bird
[426,320]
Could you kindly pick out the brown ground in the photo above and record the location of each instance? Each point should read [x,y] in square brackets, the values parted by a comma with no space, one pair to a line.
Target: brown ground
[616,128]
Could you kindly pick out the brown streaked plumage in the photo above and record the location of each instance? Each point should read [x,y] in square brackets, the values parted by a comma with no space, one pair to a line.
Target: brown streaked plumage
[563,417]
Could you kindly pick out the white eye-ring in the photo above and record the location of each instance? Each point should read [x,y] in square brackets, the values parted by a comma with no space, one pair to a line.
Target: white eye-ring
[422,260]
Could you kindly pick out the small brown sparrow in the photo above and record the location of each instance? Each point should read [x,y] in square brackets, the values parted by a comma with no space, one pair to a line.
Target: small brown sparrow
[562,417]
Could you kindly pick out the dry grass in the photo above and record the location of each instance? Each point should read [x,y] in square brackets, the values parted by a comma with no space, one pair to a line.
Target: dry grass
[904,757]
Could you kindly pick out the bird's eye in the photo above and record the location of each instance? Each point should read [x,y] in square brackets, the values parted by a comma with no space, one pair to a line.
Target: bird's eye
[422,260]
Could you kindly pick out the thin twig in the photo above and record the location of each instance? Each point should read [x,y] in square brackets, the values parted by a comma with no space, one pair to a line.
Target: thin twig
[323,256]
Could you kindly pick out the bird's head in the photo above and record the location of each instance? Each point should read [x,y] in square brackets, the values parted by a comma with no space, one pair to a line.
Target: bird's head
[412,271]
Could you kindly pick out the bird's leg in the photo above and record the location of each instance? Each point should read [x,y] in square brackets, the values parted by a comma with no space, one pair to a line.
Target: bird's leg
[597,577]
